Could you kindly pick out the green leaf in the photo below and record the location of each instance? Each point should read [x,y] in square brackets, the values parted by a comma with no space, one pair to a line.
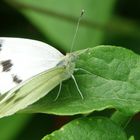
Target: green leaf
[12,126]
[57,19]
[114,83]
[98,128]
[132,138]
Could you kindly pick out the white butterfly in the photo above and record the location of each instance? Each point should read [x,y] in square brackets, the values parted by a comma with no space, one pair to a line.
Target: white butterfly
[21,59]
[27,65]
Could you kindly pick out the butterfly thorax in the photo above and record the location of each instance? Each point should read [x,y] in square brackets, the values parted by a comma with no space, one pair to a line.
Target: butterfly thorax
[68,62]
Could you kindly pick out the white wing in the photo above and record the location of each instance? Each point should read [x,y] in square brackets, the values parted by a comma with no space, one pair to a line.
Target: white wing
[21,59]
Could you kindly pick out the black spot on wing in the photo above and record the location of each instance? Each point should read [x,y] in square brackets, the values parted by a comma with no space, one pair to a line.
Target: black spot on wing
[6,65]
[0,47]
[16,79]
[1,41]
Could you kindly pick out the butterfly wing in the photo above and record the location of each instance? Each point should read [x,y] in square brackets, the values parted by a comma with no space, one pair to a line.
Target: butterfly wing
[31,90]
[21,59]
[29,69]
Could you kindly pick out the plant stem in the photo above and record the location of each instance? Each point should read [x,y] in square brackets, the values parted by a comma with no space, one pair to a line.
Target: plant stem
[120,118]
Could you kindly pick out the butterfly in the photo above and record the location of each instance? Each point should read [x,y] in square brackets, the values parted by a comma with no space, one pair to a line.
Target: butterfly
[29,69]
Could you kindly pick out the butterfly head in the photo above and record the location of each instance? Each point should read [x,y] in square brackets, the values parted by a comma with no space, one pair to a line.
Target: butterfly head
[68,62]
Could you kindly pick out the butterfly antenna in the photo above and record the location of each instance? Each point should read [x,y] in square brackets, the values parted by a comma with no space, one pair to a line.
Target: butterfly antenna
[77,86]
[77,27]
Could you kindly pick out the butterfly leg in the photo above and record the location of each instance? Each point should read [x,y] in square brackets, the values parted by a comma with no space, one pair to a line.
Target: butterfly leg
[60,87]
[81,69]
[77,86]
